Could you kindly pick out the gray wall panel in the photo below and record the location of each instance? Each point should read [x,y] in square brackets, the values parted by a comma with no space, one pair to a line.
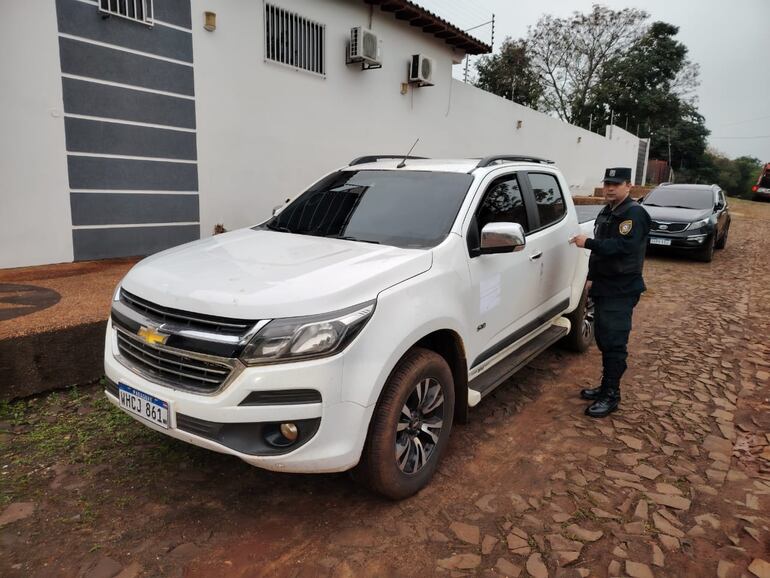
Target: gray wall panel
[85,20]
[127,208]
[83,59]
[136,175]
[90,98]
[174,12]
[93,136]
[129,241]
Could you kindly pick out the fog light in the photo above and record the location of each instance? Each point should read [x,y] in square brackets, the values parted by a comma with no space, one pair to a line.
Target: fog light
[289,431]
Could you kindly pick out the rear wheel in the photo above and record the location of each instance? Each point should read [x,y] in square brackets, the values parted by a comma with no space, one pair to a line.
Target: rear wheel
[410,427]
[581,332]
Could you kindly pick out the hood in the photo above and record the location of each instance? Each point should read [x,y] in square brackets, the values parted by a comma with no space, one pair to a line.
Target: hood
[674,215]
[259,274]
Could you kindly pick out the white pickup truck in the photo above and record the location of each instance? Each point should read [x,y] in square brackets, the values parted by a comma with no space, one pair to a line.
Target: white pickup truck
[351,329]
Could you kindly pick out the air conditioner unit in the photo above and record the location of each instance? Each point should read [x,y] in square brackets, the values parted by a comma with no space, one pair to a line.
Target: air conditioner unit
[364,46]
[421,70]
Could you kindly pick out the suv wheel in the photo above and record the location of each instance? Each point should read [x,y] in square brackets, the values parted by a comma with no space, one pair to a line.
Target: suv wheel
[707,253]
[410,426]
[581,334]
[723,240]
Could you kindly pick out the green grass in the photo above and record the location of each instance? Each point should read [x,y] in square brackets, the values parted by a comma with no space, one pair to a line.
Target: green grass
[78,426]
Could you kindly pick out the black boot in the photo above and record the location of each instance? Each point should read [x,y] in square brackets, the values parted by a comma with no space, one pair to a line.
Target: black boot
[606,404]
[592,393]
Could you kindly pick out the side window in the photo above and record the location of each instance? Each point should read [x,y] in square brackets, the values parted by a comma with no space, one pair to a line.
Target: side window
[722,198]
[502,203]
[548,196]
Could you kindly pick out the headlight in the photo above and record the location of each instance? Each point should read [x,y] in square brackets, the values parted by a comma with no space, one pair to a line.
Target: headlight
[699,224]
[296,338]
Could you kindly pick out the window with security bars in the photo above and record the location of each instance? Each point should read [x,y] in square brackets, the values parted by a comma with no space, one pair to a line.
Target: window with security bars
[294,40]
[136,10]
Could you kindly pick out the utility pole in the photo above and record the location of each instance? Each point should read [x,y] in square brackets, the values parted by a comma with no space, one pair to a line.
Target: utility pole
[465,76]
[492,41]
[590,121]
[612,121]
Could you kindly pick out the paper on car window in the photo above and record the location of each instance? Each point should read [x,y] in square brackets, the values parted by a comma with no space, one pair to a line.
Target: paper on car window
[489,293]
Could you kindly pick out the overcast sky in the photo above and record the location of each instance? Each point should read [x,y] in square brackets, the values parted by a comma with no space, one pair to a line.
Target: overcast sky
[729,39]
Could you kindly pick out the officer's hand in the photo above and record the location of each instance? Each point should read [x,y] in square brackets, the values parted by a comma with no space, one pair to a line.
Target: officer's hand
[579,240]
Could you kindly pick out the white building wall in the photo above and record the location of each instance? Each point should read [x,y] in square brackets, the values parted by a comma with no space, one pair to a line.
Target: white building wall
[265,131]
[35,225]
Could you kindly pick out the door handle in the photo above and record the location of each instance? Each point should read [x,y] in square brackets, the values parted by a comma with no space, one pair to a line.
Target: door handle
[535,256]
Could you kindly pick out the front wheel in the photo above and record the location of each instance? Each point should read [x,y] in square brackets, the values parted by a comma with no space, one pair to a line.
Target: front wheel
[581,332]
[707,253]
[410,427]
[723,239]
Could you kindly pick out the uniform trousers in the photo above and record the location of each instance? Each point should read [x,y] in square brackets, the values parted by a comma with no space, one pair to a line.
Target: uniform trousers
[612,325]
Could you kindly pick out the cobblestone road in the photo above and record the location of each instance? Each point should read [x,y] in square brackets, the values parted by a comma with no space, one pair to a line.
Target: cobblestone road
[675,484]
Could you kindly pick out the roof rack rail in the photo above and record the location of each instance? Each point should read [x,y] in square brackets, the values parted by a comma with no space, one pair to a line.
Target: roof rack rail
[491,160]
[375,158]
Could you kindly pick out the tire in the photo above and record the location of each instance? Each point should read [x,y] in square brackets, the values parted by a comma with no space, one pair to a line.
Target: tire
[723,240]
[393,464]
[581,334]
[707,253]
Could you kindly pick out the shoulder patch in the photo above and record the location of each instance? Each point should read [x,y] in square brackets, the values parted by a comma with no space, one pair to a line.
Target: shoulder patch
[625,227]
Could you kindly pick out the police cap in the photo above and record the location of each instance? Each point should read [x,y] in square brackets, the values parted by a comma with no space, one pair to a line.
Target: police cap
[617,175]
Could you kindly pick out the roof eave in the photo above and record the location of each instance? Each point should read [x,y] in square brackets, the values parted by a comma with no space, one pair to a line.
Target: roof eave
[430,23]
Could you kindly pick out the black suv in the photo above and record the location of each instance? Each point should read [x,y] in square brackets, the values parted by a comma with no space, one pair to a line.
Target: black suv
[694,218]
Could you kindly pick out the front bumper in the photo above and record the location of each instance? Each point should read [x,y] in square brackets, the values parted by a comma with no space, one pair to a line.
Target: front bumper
[332,431]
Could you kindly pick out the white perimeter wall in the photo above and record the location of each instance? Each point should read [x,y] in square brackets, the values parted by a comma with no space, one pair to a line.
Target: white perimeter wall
[35,224]
[265,132]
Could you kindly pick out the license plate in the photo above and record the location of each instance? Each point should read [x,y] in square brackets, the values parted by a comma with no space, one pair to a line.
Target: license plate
[659,241]
[144,405]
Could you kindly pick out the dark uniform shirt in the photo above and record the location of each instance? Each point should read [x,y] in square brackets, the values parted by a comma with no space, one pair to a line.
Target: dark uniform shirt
[617,250]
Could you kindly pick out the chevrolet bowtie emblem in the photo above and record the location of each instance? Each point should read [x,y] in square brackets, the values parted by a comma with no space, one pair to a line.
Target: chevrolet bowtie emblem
[151,336]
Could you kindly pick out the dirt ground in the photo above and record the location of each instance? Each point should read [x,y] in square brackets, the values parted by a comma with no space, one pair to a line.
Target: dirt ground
[57,296]
[675,484]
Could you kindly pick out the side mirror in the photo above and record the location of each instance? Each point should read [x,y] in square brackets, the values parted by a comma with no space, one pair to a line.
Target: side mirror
[502,238]
[719,207]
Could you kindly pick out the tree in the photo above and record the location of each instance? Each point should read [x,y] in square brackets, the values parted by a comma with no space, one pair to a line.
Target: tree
[645,87]
[686,137]
[569,54]
[510,74]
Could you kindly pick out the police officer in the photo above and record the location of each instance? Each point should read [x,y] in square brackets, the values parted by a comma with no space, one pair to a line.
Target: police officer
[615,274]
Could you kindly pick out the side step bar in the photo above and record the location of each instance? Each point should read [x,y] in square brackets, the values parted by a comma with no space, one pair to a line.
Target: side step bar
[485,383]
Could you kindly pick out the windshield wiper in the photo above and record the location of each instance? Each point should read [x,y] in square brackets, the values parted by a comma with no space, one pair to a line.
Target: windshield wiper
[279,228]
[354,239]
[680,207]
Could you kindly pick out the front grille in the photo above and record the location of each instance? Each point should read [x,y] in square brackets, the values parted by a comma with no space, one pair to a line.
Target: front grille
[172,367]
[184,319]
[664,227]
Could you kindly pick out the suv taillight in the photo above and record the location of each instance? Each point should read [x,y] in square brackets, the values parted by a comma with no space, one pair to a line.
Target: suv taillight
[755,188]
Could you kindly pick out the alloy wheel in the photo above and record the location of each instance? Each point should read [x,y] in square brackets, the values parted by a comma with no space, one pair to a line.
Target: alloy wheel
[419,426]
[587,325]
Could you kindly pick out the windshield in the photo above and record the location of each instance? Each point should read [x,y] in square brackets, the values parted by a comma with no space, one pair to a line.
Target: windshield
[684,198]
[409,209]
